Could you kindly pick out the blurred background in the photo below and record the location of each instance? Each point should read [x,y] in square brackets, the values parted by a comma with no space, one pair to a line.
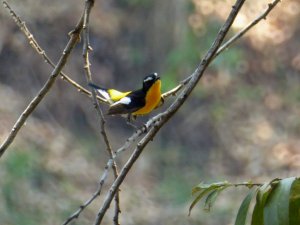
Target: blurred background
[241,123]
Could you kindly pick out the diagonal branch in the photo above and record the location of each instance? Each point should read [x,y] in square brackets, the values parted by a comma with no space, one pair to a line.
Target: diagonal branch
[35,45]
[165,116]
[74,39]
[226,45]
[248,27]
[172,92]
[97,193]
[158,117]
[165,95]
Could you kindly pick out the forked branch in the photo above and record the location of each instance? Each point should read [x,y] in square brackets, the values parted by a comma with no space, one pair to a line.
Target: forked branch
[74,39]
[86,48]
[152,126]
[165,116]
[227,44]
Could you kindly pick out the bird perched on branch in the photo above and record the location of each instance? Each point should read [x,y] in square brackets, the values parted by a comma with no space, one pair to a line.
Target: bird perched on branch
[135,103]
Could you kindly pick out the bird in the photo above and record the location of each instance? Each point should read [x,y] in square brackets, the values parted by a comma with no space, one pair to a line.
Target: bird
[133,103]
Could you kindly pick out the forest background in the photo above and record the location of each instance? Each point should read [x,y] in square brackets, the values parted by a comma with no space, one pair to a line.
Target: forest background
[242,121]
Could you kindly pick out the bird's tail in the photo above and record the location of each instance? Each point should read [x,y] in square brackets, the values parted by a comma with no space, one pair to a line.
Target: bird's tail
[97,87]
[102,91]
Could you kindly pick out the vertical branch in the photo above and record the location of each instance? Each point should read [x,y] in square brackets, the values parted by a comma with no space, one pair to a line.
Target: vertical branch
[86,48]
[74,39]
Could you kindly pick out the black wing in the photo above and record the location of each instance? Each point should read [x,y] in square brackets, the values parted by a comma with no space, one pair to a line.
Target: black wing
[137,101]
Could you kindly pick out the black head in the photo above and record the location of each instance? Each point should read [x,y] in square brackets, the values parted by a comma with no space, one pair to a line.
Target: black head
[150,80]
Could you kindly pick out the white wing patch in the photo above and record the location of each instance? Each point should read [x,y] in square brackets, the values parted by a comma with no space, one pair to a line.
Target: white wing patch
[104,94]
[124,101]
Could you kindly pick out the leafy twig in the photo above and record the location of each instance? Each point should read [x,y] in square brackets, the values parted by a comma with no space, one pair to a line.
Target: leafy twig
[212,190]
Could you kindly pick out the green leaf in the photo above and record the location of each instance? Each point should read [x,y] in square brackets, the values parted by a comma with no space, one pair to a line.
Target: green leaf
[211,198]
[199,197]
[198,188]
[203,186]
[243,210]
[294,210]
[203,189]
[261,197]
[276,210]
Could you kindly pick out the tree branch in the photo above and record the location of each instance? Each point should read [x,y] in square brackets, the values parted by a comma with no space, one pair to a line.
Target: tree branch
[35,45]
[226,45]
[165,95]
[97,193]
[165,116]
[74,39]
[86,47]
[248,27]
[158,117]
[153,125]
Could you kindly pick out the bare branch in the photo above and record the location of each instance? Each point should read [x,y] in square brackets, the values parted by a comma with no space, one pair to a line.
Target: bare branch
[97,193]
[156,118]
[165,95]
[154,124]
[86,47]
[35,45]
[248,27]
[165,116]
[227,44]
[74,39]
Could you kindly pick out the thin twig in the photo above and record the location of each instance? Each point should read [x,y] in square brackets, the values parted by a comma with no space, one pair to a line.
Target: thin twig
[108,165]
[165,116]
[74,39]
[35,45]
[86,48]
[97,193]
[165,95]
[247,184]
[248,27]
[226,45]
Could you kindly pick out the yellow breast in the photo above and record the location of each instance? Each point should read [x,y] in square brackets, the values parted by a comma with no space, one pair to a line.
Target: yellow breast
[153,97]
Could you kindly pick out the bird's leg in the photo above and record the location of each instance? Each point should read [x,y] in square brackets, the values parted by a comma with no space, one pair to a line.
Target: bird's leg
[129,120]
